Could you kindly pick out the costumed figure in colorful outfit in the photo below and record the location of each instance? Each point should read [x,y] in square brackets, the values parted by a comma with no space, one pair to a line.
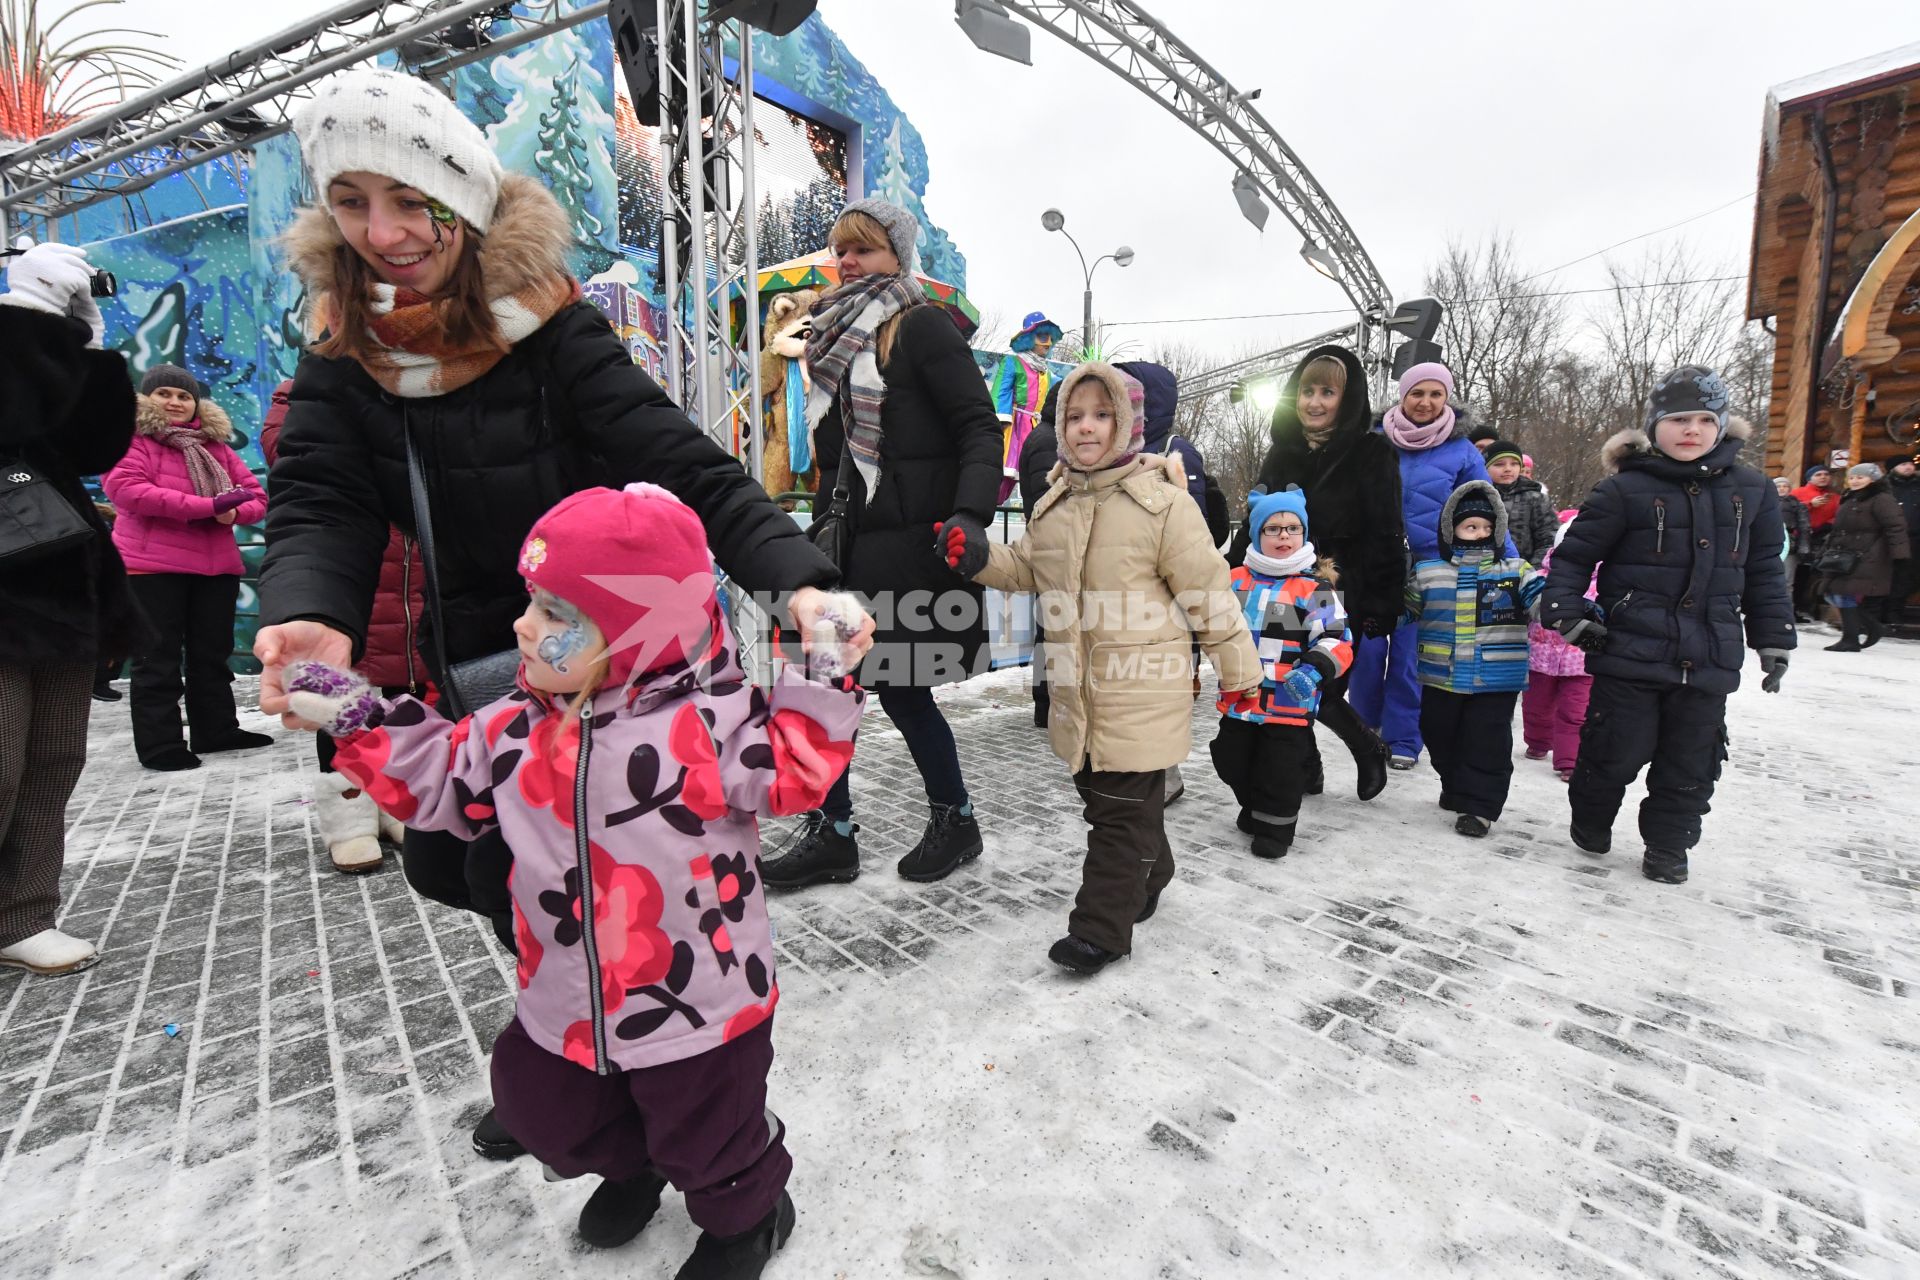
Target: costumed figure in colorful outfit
[1020,388]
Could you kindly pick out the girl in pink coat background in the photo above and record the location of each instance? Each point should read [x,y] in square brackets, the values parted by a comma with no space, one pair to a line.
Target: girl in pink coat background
[1554,708]
[178,494]
[626,772]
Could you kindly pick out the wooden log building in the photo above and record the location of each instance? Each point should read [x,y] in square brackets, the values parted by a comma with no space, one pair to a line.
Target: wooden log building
[1836,263]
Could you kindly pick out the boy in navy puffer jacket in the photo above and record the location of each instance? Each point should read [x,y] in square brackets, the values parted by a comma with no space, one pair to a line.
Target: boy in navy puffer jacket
[1471,607]
[1691,544]
[1264,750]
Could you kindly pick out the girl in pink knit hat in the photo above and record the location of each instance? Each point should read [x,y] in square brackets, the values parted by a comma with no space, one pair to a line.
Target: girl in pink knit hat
[626,773]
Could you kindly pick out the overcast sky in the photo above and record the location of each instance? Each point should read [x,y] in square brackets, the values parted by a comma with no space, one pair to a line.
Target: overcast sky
[1571,126]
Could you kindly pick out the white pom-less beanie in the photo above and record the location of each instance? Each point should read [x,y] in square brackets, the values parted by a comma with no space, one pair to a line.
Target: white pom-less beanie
[402,128]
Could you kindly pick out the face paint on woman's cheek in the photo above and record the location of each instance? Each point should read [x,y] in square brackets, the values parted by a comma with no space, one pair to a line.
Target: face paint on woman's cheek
[444,220]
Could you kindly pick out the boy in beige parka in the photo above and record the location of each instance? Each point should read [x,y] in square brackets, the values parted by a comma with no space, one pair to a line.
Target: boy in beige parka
[1128,577]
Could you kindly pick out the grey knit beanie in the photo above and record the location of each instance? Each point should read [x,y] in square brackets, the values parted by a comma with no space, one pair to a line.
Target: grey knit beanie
[401,128]
[903,229]
[1871,470]
[169,375]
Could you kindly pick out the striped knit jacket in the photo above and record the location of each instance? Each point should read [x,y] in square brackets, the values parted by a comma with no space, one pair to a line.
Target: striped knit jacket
[1473,610]
[1294,620]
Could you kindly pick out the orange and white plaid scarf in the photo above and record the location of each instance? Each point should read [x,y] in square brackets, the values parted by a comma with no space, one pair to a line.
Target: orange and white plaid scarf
[413,359]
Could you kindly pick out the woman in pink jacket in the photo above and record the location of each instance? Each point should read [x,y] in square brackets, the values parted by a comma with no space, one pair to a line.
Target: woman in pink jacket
[179,492]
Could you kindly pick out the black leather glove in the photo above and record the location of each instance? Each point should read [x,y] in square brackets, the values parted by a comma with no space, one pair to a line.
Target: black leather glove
[1590,635]
[1774,663]
[961,541]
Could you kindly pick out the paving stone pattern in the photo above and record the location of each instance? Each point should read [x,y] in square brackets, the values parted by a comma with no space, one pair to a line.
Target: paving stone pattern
[1395,1052]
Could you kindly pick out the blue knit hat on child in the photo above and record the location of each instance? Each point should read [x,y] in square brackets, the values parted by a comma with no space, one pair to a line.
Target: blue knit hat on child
[1262,507]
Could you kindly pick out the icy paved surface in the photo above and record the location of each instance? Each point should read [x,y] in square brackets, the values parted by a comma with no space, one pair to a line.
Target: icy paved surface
[1396,1052]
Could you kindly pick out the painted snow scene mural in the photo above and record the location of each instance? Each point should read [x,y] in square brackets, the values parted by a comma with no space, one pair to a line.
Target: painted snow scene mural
[203,283]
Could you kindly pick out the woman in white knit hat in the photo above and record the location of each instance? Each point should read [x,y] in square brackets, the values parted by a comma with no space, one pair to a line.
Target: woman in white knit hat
[443,314]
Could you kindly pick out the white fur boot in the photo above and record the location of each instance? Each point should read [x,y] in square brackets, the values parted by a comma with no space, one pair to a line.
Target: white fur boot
[392,830]
[349,826]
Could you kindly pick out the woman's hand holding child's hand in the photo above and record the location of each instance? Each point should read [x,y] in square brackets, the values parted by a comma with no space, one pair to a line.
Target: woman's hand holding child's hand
[962,542]
[340,702]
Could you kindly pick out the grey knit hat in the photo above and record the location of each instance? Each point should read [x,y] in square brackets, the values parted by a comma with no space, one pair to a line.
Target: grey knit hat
[401,128]
[903,229]
[1692,388]
[1871,470]
[169,375]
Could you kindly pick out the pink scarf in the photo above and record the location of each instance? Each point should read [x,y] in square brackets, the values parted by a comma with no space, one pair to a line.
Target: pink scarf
[210,479]
[1410,437]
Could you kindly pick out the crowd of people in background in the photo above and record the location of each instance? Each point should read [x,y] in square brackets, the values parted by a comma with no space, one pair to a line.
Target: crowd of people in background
[434,605]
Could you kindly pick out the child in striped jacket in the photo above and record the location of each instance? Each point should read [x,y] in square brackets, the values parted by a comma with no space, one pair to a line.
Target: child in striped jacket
[1264,750]
[1472,607]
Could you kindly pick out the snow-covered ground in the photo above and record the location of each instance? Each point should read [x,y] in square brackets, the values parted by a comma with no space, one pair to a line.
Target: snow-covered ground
[1396,1052]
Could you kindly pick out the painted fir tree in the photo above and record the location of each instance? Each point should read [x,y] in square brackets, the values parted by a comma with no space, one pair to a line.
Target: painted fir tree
[564,158]
[896,185]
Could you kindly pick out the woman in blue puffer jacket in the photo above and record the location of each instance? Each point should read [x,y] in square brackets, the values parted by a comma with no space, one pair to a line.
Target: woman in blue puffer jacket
[1430,437]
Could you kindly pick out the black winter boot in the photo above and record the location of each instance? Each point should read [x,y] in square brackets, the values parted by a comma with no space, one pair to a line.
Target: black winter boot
[1668,866]
[616,1212]
[1591,841]
[820,856]
[1316,783]
[235,739]
[1080,955]
[1152,905]
[1468,824]
[1446,801]
[741,1257]
[950,839]
[1372,765]
[1871,624]
[1270,847]
[1850,630]
[491,1139]
[171,759]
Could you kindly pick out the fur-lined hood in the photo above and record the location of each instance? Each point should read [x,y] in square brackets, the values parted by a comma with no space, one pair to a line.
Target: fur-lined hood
[1128,398]
[150,419]
[1635,441]
[1447,523]
[528,243]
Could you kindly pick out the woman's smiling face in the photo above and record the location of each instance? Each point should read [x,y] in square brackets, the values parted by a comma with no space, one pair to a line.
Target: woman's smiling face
[408,239]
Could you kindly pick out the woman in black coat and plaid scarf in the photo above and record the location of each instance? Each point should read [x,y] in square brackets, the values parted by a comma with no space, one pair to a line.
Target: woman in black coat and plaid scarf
[904,425]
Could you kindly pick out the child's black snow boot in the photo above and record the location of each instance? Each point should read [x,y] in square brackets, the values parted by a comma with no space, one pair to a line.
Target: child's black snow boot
[1372,766]
[741,1257]
[1270,846]
[950,839]
[821,854]
[1591,841]
[617,1211]
[1469,825]
[1080,955]
[1151,905]
[1668,866]
[491,1139]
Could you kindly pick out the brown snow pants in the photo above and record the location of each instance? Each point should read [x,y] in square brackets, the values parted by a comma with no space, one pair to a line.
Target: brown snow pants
[1128,857]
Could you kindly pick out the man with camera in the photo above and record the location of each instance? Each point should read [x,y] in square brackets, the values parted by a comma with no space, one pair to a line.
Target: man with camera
[63,589]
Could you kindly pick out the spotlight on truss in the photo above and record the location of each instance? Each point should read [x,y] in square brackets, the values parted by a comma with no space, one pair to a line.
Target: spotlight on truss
[1252,206]
[993,30]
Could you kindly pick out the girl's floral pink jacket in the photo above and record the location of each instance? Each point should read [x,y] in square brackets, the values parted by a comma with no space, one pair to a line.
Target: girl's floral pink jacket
[641,924]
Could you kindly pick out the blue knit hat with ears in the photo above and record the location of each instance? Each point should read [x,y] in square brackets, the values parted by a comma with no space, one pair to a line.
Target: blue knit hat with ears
[1263,506]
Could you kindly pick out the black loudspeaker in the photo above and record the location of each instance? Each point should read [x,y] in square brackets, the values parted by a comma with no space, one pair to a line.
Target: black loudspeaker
[1413,352]
[775,17]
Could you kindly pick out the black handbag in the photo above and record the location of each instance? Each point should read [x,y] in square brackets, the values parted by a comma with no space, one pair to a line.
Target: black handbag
[1836,562]
[35,521]
[831,531]
[475,683]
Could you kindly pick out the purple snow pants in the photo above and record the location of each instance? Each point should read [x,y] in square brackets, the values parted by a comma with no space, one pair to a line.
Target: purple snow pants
[1553,709]
[701,1123]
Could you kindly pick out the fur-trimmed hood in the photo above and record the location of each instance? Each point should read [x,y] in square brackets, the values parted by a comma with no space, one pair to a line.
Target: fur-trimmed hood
[1128,397]
[528,243]
[150,419]
[1636,442]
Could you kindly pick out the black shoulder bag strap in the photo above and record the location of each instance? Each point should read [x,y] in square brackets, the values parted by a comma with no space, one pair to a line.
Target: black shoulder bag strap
[423,534]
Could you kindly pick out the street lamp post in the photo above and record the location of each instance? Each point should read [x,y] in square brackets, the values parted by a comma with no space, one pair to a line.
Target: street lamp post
[1054,220]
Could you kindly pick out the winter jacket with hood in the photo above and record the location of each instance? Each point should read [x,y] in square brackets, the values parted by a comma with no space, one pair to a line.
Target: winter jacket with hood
[393,659]
[1530,517]
[1796,522]
[641,926]
[1906,492]
[1295,621]
[940,456]
[160,524]
[1428,479]
[1871,526]
[1128,578]
[1352,485]
[566,409]
[1689,556]
[69,413]
[1163,397]
[1472,607]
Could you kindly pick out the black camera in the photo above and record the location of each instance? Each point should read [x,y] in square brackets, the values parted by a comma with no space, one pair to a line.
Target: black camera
[101,285]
